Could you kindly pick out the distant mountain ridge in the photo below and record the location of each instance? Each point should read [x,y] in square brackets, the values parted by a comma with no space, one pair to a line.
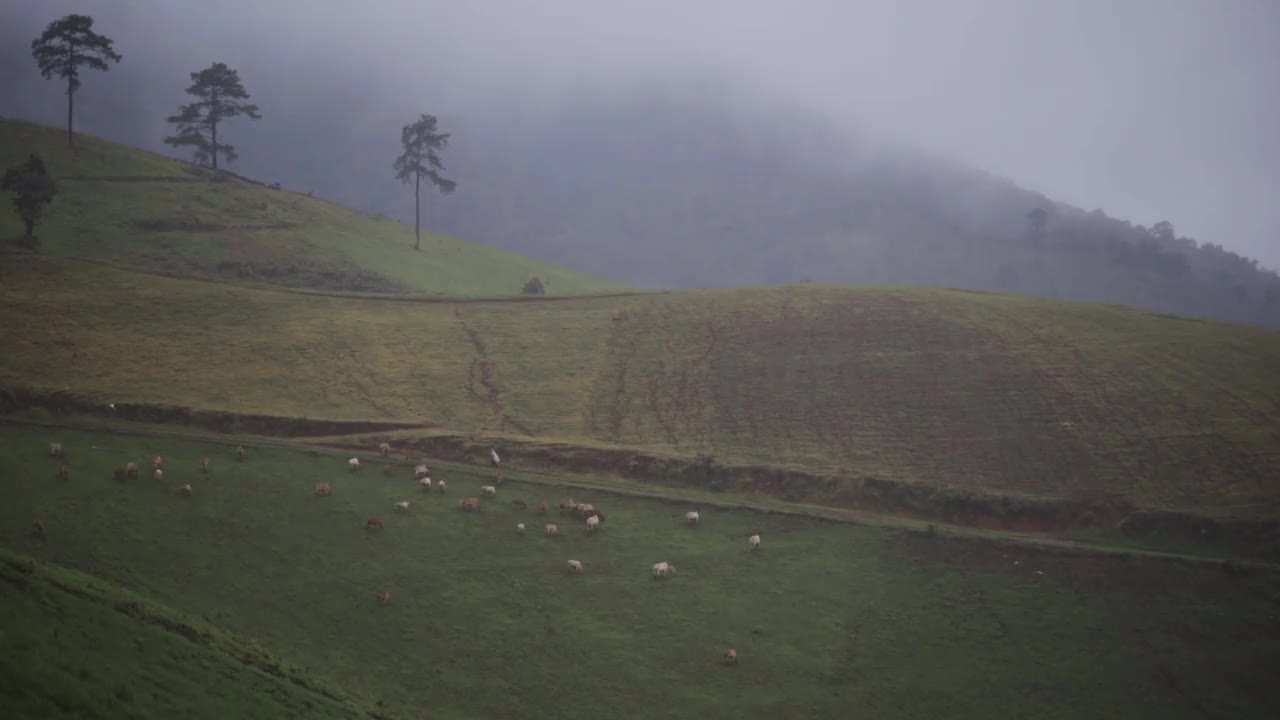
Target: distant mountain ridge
[681,191]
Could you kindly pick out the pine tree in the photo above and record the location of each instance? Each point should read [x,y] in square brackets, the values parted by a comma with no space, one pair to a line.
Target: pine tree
[221,97]
[67,45]
[421,141]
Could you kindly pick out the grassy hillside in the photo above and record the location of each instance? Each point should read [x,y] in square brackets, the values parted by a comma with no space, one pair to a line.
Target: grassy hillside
[141,209]
[77,646]
[997,394]
[485,623]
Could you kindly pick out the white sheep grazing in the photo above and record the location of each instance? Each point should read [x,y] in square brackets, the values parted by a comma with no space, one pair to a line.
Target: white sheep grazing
[489,490]
[575,566]
[441,485]
[692,517]
[55,449]
[402,505]
[520,528]
[593,523]
[385,449]
[353,464]
[186,489]
[754,542]
[420,471]
[425,484]
[159,474]
[552,530]
[493,454]
[661,569]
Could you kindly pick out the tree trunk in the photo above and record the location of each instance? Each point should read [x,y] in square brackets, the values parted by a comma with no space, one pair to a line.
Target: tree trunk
[30,224]
[417,204]
[214,125]
[71,95]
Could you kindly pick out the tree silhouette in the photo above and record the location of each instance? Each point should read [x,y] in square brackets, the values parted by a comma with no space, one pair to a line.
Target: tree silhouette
[221,97]
[421,141]
[33,188]
[67,45]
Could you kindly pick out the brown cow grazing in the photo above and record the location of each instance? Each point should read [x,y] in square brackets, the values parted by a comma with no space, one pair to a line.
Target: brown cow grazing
[388,469]
[382,596]
[541,508]
[471,504]
[120,473]
[374,523]
[204,465]
[131,469]
[730,657]
[64,472]
[519,504]
[239,453]
[324,489]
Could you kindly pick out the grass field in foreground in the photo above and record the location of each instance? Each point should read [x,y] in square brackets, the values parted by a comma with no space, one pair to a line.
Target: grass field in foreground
[141,209]
[75,646]
[991,393]
[828,619]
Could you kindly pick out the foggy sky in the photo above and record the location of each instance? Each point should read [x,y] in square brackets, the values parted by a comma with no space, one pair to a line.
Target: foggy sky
[1148,109]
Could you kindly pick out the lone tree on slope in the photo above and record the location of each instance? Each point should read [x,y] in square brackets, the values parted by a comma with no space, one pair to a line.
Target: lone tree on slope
[64,47]
[419,160]
[33,188]
[220,97]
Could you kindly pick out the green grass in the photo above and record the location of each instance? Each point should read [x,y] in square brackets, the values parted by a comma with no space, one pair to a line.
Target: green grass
[76,646]
[137,208]
[995,394]
[828,619]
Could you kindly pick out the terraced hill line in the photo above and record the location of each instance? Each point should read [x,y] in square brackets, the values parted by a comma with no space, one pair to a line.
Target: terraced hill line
[339,448]
[373,297]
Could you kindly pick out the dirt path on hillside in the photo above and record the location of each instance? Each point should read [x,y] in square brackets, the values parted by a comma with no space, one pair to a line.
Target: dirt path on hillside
[481,385]
[656,492]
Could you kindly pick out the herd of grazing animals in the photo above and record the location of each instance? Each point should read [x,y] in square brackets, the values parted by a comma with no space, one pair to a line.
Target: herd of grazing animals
[586,511]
